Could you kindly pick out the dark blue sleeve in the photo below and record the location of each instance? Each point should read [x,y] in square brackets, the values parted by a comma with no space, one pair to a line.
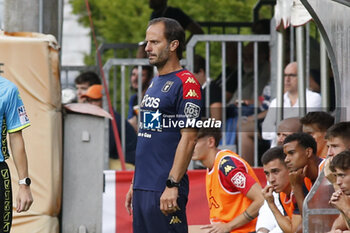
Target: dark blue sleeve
[132,100]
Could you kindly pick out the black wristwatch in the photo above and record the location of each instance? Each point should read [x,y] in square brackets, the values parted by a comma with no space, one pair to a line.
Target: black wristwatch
[171,184]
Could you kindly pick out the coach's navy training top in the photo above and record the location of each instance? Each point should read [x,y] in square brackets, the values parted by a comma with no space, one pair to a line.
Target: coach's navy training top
[169,103]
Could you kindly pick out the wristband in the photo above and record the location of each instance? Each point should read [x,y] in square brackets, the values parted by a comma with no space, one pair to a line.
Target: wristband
[245,213]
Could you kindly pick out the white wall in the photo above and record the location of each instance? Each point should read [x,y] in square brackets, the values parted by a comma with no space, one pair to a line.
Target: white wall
[76,40]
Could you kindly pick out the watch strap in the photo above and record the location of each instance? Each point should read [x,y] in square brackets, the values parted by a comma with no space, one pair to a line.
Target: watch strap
[25,181]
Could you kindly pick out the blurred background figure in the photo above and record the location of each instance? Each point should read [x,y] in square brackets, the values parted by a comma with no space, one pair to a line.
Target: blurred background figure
[215,105]
[287,127]
[147,75]
[83,82]
[290,103]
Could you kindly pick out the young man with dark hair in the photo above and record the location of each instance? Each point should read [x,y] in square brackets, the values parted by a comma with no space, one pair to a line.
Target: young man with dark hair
[83,81]
[276,215]
[338,138]
[303,165]
[146,77]
[159,190]
[340,199]
[316,124]
[233,190]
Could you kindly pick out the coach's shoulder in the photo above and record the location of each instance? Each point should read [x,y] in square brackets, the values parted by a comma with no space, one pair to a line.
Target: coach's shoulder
[190,85]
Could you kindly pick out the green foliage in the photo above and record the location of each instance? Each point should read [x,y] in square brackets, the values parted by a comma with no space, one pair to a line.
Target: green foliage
[217,10]
[115,21]
[125,21]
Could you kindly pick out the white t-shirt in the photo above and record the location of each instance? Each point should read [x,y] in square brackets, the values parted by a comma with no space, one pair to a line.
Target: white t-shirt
[266,218]
[269,128]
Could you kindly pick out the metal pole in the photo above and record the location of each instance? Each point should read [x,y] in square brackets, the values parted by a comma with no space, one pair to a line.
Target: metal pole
[41,16]
[307,55]
[324,75]
[301,70]
[223,91]
[280,83]
[139,84]
[190,57]
[60,22]
[291,43]
[66,78]
[106,125]
[239,51]
[139,93]
[115,82]
[256,71]
[207,79]
[123,109]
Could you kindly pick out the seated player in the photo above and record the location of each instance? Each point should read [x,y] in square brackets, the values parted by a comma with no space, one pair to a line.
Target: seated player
[338,140]
[303,165]
[340,199]
[316,124]
[276,215]
[233,190]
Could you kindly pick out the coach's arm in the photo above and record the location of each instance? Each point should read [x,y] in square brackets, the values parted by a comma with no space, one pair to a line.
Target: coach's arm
[183,155]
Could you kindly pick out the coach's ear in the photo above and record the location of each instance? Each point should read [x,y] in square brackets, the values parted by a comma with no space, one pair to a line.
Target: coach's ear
[173,45]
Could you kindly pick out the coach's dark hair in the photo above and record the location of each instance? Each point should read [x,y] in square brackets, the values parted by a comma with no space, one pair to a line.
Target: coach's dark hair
[172,31]
[341,161]
[305,140]
[210,132]
[323,120]
[88,77]
[272,154]
[341,130]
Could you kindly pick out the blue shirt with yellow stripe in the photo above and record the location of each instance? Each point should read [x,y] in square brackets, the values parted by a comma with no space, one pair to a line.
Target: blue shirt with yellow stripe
[13,116]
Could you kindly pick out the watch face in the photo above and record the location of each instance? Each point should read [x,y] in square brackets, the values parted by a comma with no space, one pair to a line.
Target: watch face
[28,181]
[171,184]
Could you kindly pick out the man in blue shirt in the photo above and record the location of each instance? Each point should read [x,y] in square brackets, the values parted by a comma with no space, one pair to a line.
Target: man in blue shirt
[13,119]
[166,135]
[147,75]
